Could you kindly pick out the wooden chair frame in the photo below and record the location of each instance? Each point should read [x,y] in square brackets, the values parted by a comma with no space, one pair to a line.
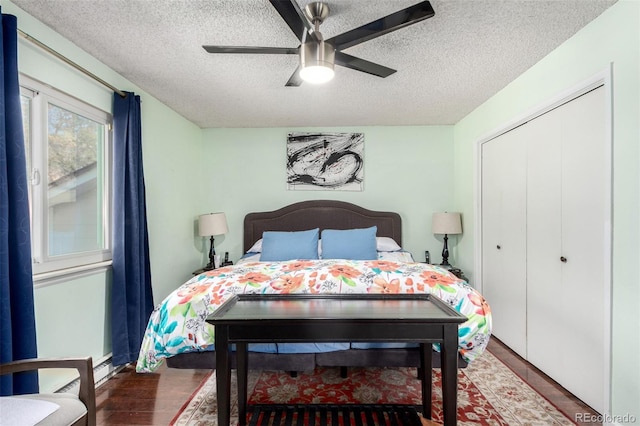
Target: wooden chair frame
[87,392]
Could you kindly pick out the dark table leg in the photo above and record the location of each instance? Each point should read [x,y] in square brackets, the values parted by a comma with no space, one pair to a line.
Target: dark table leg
[223,375]
[241,372]
[449,357]
[426,355]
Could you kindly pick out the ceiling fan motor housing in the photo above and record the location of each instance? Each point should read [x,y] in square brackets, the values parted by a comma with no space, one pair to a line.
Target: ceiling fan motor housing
[317,56]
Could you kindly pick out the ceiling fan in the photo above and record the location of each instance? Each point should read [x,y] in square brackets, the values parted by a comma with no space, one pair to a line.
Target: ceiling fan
[317,55]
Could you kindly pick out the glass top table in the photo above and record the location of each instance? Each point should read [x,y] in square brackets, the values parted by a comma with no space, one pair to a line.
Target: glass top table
[254,318]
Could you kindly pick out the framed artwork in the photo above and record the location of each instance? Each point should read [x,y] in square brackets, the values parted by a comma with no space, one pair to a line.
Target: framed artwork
[325,161]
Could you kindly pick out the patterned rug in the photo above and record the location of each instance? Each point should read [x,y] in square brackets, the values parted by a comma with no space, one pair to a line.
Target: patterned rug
[489,393]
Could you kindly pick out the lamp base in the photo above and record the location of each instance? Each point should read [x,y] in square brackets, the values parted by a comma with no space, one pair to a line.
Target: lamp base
[445,252]
[212,257]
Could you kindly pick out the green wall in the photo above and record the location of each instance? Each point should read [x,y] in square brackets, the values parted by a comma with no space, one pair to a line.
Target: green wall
[612,38]
[412,170]
[407,169]
[73,320]
[72,314]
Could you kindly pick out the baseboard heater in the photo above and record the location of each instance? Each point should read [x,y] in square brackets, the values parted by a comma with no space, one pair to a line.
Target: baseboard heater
[102,372]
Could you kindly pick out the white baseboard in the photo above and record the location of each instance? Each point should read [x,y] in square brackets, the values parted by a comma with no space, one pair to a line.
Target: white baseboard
[102,372]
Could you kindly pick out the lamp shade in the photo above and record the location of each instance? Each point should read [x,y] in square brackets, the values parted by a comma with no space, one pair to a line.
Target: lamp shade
[212,224]
[446,223]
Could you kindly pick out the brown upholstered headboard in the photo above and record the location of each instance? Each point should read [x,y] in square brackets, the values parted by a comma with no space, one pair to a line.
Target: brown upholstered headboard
[323,214]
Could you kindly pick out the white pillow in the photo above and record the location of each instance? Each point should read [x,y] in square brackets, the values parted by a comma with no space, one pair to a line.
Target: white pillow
[387,244]
[396,256]
[256,248]
[382,244]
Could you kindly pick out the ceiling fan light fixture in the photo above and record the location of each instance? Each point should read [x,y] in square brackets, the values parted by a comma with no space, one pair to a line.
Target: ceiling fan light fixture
[316,74]
[316,62]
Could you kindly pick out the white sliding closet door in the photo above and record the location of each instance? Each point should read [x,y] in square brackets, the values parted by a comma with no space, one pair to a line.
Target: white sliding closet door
[565,245]
[545,207]
[504,236]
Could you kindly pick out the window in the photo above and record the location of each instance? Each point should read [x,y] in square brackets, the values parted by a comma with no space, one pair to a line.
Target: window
[68,159]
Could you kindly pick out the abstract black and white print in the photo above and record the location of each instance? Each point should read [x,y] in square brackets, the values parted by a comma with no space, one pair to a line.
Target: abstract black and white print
[325,161]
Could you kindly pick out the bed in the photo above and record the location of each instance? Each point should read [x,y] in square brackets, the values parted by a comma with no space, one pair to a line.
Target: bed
[178,333]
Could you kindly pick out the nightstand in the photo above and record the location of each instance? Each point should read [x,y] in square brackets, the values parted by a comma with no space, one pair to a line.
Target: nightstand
[458,273]
[199,271]
[455,271]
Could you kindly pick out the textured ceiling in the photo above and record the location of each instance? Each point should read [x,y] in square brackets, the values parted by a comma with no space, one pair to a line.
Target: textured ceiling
[446,65]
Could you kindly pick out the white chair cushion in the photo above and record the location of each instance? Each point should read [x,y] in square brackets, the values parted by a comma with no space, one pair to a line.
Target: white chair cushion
[24,411]
[71,408]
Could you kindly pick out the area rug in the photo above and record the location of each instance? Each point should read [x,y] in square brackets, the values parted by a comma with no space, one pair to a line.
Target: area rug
[489,393]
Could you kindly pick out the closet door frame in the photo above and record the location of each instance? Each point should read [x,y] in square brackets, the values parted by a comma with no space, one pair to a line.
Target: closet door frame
[603,78]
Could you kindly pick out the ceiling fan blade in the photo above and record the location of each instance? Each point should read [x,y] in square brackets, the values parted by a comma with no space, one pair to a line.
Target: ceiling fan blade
[389,23]
[251,49]
[294,17]
[363,65]
[294,80]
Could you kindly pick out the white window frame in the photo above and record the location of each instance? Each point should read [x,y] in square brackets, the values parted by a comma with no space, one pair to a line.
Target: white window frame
[44,266]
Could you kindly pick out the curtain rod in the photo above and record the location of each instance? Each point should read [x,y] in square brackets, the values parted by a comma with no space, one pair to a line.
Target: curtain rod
[70,62]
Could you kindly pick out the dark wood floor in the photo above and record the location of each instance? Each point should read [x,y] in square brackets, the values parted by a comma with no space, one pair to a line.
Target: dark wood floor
[154,399]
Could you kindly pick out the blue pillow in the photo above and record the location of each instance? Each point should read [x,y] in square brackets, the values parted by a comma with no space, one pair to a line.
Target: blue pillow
[352,244]
[279,246]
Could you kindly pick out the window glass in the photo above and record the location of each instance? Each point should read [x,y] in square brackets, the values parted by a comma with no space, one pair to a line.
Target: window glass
[74,198]
[67,144]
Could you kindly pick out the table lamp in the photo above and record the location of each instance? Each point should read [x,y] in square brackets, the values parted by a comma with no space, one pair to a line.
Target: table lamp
[447,224]
[211,224]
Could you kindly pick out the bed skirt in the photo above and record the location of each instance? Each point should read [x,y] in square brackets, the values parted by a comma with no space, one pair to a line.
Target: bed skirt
[407,357]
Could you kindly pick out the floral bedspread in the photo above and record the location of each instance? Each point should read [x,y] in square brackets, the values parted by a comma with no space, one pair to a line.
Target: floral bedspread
[178,324]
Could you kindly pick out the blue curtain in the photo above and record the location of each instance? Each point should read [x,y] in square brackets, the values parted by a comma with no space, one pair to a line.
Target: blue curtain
[132,299]
[17,320]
